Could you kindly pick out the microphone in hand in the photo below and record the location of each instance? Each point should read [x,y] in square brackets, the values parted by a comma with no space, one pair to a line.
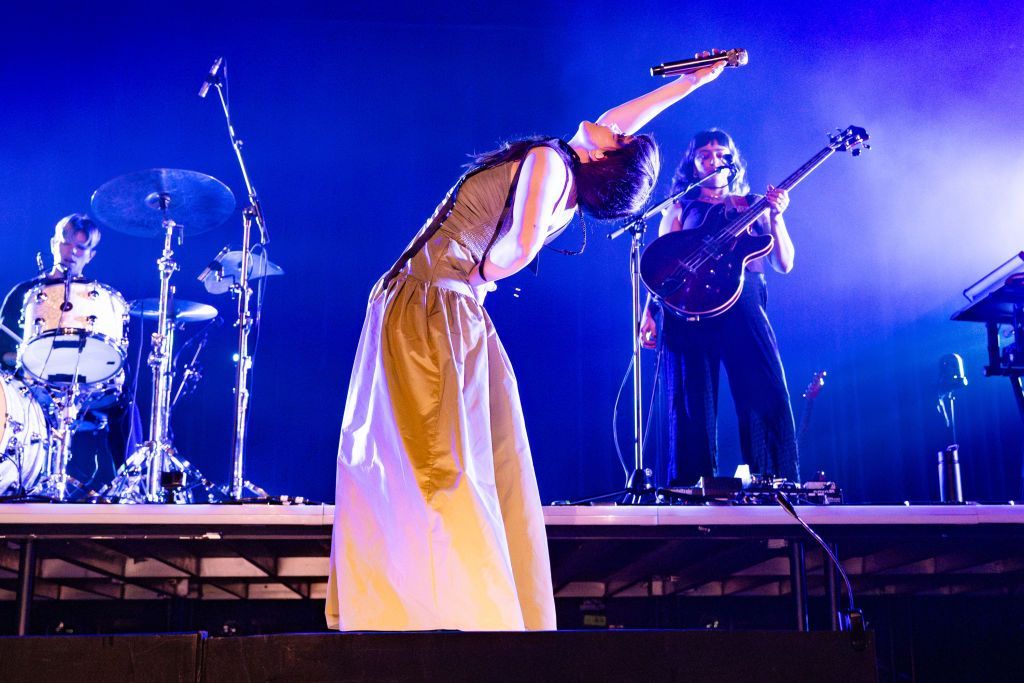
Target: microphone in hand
[734,57]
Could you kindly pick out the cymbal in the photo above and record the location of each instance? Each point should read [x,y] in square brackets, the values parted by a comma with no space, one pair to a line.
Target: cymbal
[132,203]
[231,269]
[184,311]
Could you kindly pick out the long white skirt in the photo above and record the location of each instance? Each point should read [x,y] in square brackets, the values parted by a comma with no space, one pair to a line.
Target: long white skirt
[438,521]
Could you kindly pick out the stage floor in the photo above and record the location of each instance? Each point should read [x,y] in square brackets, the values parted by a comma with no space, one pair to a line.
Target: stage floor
[251,551]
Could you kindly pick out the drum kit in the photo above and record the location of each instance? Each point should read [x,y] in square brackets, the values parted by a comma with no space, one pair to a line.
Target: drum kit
[73,351]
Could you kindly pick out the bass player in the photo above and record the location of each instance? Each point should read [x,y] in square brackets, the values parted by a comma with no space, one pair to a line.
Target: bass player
[741,340]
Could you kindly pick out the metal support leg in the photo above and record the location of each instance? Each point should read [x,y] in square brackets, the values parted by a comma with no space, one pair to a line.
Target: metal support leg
[798,582]
[26,583]
[831,588]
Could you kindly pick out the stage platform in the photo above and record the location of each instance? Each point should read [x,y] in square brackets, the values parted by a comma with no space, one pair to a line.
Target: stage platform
[252,552]
[563,656]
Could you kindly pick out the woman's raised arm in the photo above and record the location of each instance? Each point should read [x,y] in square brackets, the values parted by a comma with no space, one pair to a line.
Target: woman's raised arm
[631,116]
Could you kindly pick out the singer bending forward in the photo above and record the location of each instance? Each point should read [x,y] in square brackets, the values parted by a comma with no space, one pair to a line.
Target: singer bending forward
[438,521]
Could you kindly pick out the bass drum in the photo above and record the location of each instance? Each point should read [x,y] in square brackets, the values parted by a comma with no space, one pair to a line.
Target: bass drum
[24,437]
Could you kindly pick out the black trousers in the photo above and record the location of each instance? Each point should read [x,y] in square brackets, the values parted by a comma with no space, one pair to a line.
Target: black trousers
[742,341]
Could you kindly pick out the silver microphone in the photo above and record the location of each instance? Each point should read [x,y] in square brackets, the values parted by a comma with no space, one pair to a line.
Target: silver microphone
[39,263]
[734,57]
[211,77]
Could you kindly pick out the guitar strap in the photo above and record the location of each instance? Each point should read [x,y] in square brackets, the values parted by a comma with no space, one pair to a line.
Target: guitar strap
[738,202]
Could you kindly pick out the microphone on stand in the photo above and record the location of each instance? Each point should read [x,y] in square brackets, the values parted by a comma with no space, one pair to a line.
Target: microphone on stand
[214,266]
[212,77]
[734,57]
[629,225]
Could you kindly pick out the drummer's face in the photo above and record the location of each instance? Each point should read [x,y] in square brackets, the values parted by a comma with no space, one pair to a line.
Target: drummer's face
[74,251]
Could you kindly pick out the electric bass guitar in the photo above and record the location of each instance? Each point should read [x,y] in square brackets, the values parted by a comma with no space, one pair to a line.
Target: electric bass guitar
[698,273]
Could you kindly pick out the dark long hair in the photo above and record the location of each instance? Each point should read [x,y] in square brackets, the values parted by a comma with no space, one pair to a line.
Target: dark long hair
[687,171]
[614,187]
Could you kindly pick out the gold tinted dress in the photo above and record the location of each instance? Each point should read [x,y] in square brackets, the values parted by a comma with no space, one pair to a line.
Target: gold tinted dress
[438,520]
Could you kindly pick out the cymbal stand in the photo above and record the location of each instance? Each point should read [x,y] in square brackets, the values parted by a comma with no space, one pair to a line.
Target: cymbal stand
[160,358]
[251,215]
[153,472]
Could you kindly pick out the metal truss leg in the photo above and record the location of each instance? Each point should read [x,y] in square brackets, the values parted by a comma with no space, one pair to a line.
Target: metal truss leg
[798,581]
[26,583]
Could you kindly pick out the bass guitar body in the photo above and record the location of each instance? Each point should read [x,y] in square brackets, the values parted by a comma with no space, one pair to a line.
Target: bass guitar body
[695,276]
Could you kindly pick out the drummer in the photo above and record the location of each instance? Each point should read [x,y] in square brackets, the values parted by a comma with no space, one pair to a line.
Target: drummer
[112,418]
[73,246]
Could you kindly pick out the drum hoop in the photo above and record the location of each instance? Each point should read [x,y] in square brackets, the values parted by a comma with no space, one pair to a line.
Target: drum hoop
[74,283]
[116,345]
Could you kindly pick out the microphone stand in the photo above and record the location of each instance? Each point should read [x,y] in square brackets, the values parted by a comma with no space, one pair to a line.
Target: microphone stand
[251,214]
[640,482]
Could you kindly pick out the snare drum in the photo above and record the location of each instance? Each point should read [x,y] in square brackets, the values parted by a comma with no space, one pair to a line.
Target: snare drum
[24,437]
[81,336]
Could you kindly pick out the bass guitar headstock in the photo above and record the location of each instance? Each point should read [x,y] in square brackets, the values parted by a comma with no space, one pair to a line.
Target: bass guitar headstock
[815,386]
[854,139]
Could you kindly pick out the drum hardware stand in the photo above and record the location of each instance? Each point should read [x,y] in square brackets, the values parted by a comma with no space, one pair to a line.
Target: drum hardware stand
[16,453]
[160,202]
[153,473]
[193,372]
[252,214]
[640,481]
[55,480]
[54,484]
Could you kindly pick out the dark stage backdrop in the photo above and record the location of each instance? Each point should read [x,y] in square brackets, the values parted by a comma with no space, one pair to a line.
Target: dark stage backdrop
[357,121]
